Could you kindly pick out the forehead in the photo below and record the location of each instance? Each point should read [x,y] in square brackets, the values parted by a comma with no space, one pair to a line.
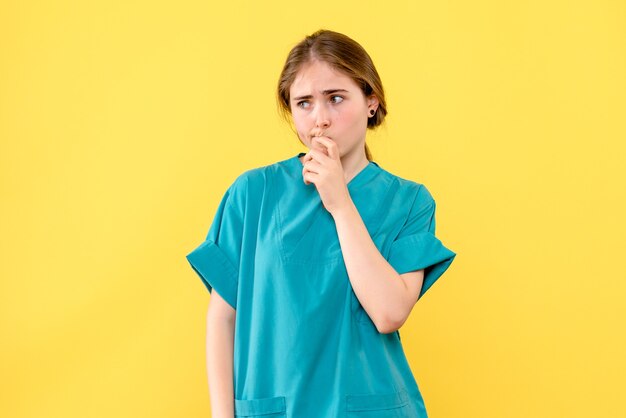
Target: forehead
[317,76]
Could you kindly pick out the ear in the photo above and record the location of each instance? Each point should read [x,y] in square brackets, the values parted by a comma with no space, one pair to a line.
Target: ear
[372,101]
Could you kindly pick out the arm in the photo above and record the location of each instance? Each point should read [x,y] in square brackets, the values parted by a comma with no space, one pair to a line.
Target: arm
[219,356]
[386,296]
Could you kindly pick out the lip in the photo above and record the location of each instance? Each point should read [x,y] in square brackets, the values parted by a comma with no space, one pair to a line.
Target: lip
[317,132]
[321,134]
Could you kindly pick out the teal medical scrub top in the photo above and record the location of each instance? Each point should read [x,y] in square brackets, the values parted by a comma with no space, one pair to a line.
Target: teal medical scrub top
[304,347]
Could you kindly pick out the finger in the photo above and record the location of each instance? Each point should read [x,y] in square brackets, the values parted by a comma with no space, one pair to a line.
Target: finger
[313,165]
[316,134]
[318,155]
[308,171]
[309,156]
[318,144]
[329,144]
[309,177]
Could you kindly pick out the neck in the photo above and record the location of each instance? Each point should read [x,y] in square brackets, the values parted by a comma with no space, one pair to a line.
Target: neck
[353,163]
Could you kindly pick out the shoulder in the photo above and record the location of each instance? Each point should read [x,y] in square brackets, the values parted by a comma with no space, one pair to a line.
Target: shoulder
[253,178]
[252,183]
[256,178]
[411,191]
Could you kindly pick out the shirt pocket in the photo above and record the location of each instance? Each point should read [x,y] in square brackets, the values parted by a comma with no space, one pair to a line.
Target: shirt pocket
[387,405]
[275,407]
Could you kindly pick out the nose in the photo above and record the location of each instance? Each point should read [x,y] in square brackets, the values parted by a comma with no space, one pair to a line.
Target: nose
[322,119]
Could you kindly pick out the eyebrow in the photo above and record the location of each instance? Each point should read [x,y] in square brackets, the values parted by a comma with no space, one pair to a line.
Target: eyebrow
[325,92]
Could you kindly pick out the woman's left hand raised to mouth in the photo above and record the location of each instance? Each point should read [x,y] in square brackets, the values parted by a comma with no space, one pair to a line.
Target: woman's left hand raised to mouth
[322,167]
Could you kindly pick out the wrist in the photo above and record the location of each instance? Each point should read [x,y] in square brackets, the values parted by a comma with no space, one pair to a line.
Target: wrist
[344,210]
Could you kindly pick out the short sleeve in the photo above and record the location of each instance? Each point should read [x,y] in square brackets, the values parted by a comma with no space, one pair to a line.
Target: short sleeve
[217,259]
[416,247]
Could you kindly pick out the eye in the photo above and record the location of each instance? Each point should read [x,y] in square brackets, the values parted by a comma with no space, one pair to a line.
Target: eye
[299,104]
[332,97]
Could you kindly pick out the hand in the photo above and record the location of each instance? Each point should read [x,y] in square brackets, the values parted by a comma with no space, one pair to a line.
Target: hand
[322,167]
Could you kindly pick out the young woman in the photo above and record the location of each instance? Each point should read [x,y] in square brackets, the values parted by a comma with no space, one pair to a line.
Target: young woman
[321,256]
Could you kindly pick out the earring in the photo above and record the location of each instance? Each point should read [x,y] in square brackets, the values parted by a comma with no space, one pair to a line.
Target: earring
[372,111]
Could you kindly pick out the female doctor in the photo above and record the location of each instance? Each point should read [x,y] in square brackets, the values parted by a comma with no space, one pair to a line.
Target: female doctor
[315,262]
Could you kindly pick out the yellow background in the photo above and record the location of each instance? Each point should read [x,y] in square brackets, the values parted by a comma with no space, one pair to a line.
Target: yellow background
[123,122]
